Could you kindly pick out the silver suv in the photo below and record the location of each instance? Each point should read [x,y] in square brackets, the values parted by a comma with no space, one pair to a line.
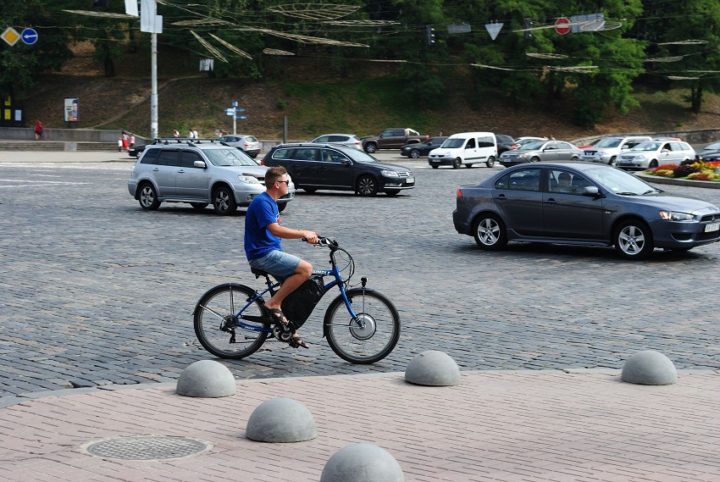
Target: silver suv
[199,172]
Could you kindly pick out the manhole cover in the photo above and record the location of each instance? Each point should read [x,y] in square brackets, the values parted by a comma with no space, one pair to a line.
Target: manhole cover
[146,447]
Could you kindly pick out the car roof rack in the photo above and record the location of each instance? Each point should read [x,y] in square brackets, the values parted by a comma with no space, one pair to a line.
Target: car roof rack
[184,140]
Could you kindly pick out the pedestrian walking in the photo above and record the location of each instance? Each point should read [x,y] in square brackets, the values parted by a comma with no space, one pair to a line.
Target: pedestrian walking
[132,140]
[125,140]
[176,133]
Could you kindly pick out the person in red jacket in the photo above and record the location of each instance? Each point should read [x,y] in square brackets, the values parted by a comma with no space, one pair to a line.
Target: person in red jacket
[38,130]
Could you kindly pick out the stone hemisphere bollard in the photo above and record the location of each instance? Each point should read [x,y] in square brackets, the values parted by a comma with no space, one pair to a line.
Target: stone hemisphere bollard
[362,462]
[432,368]
[281,420]
[206,379]
[649,368]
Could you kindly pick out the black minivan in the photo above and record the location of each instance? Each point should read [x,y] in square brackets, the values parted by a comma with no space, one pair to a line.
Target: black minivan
[324,166]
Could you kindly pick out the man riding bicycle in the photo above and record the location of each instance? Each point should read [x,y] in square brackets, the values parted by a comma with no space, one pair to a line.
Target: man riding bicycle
[263,249]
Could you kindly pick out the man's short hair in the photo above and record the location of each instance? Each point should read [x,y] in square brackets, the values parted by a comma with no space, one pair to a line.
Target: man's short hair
[273,174]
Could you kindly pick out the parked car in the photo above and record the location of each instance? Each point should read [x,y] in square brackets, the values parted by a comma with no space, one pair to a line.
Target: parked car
[525,139]
[135,150]
[651,154]
[583,204]
[245,142]
[417,149]
[608,149]
[504,142]
[466,148]
[348,140]
[393,138]
[199,173]
[711,150]
[329,166]
[535,151]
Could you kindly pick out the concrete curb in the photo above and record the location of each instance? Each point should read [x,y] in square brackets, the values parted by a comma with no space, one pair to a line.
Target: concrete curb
[678,182]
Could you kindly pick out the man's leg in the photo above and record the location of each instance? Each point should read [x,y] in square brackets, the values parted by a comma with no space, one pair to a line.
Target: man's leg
[302,273]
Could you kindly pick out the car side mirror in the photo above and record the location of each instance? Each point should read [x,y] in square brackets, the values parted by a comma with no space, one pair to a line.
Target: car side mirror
[199,164]
[592,191]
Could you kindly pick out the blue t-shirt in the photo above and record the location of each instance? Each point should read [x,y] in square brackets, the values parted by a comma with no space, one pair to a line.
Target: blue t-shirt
[259,241]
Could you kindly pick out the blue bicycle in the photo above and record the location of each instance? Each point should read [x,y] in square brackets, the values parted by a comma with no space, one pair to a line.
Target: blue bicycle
[360,325]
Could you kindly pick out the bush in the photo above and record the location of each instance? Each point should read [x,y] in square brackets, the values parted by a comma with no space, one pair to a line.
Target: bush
[685,171]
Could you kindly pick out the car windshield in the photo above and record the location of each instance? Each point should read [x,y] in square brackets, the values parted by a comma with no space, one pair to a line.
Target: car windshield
[228,157]
[619,182]
[609,142]
[359,156]
[453,143]
[647,146]
[531,145]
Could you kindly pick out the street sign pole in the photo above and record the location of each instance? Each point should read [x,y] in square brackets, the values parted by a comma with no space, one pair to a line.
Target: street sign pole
[154,125]
[234,122]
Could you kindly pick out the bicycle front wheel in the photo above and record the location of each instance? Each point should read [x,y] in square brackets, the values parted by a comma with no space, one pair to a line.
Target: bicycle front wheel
[218,326]
[368,337]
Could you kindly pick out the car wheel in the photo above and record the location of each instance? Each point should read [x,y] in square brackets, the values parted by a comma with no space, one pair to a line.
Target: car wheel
[489,232]
[370,147]
[612,161]
[574,158]
[633,239]
[653,164]
[414,153]
[469,165]
[435,166]
[366,186]
[309,190]
[147,197]
[490,162]
[457,163]
[199,206]
[224,201]
[535,159]
[392,192]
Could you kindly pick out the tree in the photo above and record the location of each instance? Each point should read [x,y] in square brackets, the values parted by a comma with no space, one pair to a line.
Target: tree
[688,35]
[21,65]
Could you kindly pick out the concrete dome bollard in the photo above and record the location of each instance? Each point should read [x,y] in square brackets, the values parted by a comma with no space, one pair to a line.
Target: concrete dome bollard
[432,368]
[281,420]
[362,462]
[649,368]
[206,379]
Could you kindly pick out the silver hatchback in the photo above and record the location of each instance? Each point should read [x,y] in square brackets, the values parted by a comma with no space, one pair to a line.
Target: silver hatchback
[199,173]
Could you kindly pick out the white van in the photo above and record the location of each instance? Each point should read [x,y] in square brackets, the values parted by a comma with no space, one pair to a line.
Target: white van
[466,148]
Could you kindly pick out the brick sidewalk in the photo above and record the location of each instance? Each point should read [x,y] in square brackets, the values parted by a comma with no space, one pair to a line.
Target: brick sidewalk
[508,426]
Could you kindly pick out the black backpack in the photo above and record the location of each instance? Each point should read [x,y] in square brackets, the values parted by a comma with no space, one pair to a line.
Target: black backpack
[301,302]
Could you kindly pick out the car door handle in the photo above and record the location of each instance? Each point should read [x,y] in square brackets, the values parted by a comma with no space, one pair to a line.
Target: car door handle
[551,200]
[181,171]
[501,197]
[156,169]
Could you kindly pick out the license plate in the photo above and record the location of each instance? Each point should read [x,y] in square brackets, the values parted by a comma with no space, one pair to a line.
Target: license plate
[410,180]
[709,228]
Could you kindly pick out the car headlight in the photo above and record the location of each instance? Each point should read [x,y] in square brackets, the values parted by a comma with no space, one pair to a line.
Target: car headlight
[523,155]
[249,179]
[389,173]
[676,216]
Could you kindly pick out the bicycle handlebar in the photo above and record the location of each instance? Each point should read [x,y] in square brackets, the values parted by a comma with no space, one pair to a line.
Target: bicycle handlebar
[323,241]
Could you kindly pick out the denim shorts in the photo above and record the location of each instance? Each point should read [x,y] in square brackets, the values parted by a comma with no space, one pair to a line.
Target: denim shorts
[278,263]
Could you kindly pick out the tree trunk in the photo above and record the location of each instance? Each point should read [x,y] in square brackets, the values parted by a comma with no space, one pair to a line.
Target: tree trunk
[696,93]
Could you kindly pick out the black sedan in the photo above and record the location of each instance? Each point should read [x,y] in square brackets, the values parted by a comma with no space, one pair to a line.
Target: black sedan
[582,204]
[418,149]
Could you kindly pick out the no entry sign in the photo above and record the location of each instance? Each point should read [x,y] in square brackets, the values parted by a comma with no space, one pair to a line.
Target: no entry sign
[562,26]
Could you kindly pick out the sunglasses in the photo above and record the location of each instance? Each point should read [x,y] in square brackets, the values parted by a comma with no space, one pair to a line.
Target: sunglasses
[286,182]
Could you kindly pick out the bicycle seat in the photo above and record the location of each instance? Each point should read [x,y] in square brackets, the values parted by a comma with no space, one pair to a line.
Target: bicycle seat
[259,272]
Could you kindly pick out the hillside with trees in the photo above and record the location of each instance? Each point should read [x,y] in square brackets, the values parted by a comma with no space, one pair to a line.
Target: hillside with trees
[420,57]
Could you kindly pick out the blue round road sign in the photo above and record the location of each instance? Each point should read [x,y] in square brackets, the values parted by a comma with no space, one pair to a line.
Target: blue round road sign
[29,36]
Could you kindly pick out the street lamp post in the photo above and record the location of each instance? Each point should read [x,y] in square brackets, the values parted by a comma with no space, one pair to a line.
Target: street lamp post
[154,128]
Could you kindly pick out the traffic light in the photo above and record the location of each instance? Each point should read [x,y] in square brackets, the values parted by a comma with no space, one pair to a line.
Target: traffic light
[430,34]
[528,25]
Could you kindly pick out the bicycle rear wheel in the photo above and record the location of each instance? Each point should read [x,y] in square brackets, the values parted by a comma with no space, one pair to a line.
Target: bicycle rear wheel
[217,326]
[370,336]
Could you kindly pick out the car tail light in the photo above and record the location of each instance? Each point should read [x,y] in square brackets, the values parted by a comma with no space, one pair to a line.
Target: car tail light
[458,193]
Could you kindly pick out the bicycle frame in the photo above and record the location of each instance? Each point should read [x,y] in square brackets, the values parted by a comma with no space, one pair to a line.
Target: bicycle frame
[272,287]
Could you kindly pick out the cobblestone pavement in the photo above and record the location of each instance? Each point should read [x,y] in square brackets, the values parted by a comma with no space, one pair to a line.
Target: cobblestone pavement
[95,291]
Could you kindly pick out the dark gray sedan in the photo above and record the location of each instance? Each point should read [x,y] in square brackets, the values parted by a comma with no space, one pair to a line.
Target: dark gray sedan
[582,204]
